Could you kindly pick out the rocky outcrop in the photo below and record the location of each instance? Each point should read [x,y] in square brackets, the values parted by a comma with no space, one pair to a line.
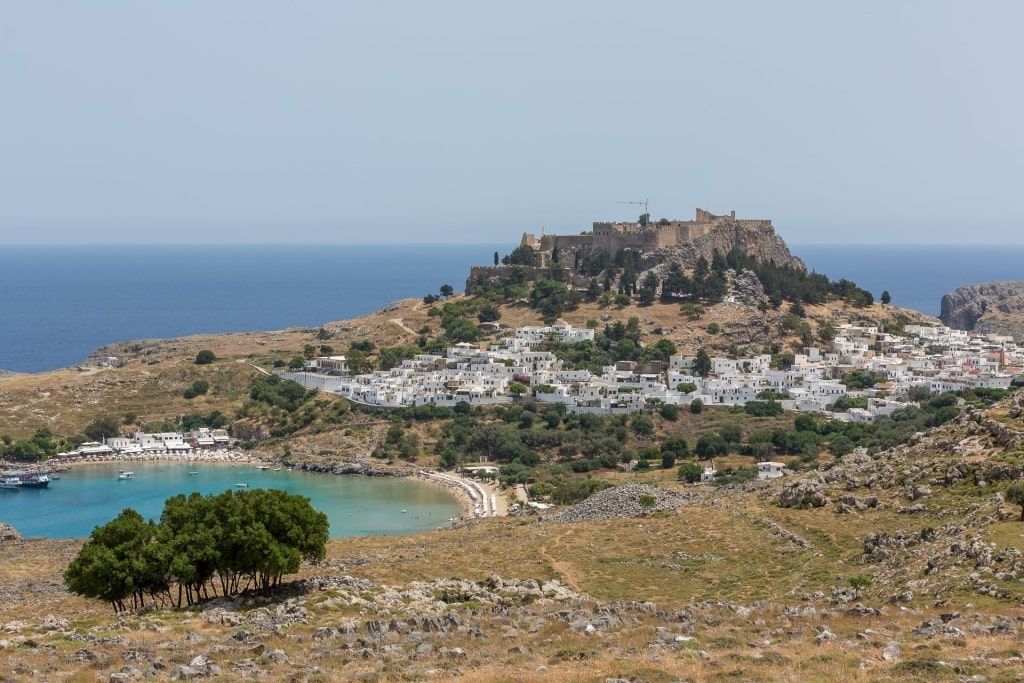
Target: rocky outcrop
[8,533]
[761,241]
[987,307]
[627,500]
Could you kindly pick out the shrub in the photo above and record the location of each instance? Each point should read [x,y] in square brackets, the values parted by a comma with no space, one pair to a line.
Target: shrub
[205,357]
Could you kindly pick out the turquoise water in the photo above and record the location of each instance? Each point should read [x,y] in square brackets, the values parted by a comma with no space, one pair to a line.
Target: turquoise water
[91,495]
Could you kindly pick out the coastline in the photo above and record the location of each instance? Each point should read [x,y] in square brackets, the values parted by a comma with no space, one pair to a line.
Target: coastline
[64,463]
[476,498]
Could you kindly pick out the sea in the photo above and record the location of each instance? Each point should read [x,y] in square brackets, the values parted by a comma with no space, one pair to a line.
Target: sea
[62,303]
[92,494]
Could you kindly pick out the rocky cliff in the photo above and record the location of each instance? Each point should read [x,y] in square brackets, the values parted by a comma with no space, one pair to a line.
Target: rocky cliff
[761,241]
[987,307]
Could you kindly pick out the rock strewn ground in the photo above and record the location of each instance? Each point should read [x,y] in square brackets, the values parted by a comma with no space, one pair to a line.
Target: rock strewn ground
[627,500]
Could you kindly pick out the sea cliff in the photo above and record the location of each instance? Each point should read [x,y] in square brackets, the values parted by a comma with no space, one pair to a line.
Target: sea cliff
[987,307]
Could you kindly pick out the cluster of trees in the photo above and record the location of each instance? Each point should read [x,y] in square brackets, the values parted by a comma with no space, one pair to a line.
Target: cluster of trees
[283,403]
[708,280]
[810,434]
[203,546]
[41,445]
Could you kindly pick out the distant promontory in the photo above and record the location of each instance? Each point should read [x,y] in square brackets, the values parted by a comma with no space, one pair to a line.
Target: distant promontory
[987,307]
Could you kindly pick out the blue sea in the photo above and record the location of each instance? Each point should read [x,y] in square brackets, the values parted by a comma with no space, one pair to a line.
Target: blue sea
[62,303]
[916,276]
[92,494]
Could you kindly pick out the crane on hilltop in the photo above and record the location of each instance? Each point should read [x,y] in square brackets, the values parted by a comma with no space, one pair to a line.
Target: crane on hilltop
[645,217]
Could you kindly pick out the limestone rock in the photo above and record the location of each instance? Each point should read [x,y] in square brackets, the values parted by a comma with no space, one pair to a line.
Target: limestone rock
[988,307]
[803,494]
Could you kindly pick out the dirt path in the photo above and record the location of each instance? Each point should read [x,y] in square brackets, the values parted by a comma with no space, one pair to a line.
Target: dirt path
[398,321]
[569,576]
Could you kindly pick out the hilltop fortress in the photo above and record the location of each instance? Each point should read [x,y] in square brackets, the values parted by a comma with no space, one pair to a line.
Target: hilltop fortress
[663,234]
[652,243]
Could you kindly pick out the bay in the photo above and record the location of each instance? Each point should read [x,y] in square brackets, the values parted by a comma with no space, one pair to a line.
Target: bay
[91,495]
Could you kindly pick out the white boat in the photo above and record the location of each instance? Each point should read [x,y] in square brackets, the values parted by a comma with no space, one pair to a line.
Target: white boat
[34,480]
[126,475]
[263,467]
[10,481]
[192,474]
[242,485]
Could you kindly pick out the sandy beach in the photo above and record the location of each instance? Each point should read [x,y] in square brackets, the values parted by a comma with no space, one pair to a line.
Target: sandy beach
[477,498]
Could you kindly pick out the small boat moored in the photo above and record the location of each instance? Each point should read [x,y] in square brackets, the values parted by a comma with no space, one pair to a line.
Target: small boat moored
[126,475]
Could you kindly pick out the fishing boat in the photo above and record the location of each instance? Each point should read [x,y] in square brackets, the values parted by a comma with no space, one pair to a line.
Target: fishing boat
[263,467]
[192,473]
[126,475]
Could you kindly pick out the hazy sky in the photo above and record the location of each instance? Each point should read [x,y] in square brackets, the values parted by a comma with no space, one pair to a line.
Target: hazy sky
[326,121]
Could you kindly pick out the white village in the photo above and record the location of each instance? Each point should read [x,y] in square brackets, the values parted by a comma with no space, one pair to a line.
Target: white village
[934,357]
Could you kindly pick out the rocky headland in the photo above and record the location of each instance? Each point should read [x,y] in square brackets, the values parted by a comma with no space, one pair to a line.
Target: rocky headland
[987,307]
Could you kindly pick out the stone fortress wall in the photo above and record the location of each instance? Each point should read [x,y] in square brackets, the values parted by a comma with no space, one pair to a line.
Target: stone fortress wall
[686,239]
[611,237]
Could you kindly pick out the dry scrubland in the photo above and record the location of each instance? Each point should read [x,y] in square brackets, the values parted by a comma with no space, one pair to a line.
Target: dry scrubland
[912,570]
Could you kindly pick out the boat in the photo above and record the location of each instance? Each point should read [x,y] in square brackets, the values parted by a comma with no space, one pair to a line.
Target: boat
[126,475]
[192,473]
[263,467]
[10,481]
[35,480]
[243,486]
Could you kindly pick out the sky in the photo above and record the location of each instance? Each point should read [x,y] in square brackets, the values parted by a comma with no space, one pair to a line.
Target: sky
[251,121]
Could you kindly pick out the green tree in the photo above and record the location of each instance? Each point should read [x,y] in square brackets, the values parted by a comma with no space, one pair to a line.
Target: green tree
[668,460]
[205,357]
[690,472]
[1015,494]
[103,427]
[198,388]
[550,297]
[886,298]
[642,425]
[496,258]
[710,445]
[677,446]
[112,565]
[696,406]
[447,291]
[731,432]
[488,314]
[702,363]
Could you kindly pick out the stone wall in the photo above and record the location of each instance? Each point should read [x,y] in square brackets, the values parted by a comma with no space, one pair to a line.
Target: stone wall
[681,241]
